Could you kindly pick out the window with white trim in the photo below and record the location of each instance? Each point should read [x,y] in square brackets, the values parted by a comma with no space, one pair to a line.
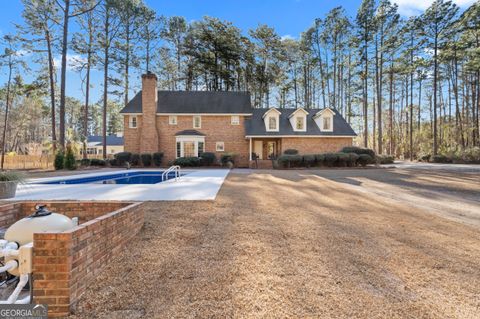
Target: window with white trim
[235,120]
[132,121]
[197,121]
[299,123]
[327,123]
[220,146]
[172,120]
[272,123]
[190,146]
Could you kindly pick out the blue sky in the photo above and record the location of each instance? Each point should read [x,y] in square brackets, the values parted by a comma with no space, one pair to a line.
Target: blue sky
[288,17]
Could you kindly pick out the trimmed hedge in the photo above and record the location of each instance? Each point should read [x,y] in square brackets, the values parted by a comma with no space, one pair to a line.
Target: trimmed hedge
[146,159]
[135,159]
[59,160]
[339,159]
[122,158]
[187,161]
[227,157]
[358,150]
[85,162]
[157,158]
[385,159]
[97,162]
[207,159]
[290,151]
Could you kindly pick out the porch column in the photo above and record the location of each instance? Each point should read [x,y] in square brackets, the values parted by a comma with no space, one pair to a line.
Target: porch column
[250,149]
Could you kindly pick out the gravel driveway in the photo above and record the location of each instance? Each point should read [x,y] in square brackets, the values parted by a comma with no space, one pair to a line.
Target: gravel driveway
[379,243]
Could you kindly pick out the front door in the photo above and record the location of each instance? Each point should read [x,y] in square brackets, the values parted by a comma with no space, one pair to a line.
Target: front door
[258,149]
[272,149]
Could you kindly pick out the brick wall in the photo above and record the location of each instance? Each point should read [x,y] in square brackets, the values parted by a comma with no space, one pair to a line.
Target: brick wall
[131,136]
[149,134]
[65,263]
[215,128]
[313,145]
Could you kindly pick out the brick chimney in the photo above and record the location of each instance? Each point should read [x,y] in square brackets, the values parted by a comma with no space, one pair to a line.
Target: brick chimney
[149,135]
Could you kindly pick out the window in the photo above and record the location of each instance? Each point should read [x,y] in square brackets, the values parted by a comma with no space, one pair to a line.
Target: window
[272,123]
[235,120]
[220,146]
[197,121]
[189,146]
[172,120]
[327,123]
[299,123]
[133,122]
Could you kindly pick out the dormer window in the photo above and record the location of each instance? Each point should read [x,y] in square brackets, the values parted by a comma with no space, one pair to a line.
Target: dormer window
[272,123]
[299,121]
[324,120]
[327,123]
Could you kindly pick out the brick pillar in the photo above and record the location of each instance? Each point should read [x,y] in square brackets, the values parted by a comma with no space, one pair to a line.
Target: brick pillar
[149,136]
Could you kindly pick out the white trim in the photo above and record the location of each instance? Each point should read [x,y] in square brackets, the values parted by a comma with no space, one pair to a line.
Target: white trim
[319,113]
[191,139]
[203,114]
[236,117]
[222,144]
[299,109]
[199,121]
[130,121]
[170,122]
[271,110]
[310,136]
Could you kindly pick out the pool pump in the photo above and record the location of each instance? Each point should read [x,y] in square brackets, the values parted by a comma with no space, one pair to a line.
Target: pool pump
[17,247]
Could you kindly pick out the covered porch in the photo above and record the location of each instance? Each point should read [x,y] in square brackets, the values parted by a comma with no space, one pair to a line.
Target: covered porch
[265,148]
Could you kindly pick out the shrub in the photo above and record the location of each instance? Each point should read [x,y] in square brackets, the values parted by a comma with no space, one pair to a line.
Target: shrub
[227,157]
[187,161]
[384,159]
[441,159]
[320,159]
[288,161]
[146,159]
[207,159]
[69,162]
[157,158]
[425,157]
[290,151]
[12,176]
[358,150]
[123,157]
[135,159]
[112,162]
[331,159]
[59,160]
[85,162]
[342,159]
[97,162]
[309,160]
[364,159]
[352,159]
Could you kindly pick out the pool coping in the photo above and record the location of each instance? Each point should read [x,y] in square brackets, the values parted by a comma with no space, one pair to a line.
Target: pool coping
[196,185]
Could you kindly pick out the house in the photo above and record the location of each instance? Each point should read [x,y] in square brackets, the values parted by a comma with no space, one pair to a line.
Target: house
[95,145]
[183,124]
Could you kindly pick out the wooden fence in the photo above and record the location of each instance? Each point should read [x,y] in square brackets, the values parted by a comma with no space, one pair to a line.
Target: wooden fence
[28,161]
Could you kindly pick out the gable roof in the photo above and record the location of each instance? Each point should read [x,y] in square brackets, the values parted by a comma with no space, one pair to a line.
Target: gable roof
[112,140]
[199,102]
[189,133]
[255,126]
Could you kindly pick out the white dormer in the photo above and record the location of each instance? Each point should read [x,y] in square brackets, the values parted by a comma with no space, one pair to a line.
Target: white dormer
[324,120]
[272,120]
[298,120]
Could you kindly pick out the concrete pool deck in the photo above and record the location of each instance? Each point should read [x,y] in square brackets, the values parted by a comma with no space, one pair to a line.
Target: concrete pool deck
[195,185]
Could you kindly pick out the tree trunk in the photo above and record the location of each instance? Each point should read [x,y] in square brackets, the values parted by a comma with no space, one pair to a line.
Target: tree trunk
[7,107]
[63,73]
[51,76]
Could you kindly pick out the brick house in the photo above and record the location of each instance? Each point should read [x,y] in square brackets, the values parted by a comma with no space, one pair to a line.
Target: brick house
[187,123]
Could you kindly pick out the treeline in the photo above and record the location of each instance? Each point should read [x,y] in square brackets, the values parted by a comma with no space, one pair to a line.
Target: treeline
[409,87]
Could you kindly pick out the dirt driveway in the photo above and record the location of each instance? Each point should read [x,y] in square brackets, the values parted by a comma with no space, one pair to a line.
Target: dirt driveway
[305,244]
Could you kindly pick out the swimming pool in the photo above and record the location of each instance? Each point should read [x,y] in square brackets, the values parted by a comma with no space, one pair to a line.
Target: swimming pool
[137,177]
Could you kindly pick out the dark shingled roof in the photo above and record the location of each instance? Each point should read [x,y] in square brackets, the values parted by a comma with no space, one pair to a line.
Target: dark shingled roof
[189,132]
[211,102]
[111,139]
[256,125]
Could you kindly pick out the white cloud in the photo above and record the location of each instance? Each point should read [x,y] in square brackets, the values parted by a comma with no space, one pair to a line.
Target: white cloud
[73,61]
[287,37]
[415,7]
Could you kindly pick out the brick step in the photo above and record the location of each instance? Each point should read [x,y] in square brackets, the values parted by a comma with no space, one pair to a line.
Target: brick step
[261,164]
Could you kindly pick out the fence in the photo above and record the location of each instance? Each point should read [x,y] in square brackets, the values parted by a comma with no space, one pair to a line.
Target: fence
[28,161]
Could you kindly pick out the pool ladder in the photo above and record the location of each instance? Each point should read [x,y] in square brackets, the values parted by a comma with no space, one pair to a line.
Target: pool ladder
[174,168]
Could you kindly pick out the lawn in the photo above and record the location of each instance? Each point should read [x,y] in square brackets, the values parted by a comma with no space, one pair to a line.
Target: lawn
[384,243]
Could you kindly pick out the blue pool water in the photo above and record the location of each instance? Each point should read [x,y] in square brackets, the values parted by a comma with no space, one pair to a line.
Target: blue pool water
[143,177]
